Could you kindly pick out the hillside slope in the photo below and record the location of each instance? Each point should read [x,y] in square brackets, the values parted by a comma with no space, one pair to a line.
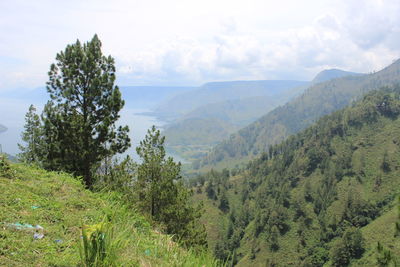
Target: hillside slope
[196,131]
[319,100]
[314,198]
[32,198]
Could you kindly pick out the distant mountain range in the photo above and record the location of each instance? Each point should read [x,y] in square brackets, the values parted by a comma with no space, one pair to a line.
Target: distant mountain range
[207,121]
[318,100]
[216,92]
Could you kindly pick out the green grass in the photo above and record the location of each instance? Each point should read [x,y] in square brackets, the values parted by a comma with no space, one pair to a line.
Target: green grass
[213,219]
[61,205]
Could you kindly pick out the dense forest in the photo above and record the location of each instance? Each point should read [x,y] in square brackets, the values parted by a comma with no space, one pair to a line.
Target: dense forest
[323,196]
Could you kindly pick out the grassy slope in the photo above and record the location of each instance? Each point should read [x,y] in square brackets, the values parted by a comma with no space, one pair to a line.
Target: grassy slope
[62,206]
[213,219]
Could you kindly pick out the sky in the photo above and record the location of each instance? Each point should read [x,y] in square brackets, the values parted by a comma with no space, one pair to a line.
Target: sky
[185,42]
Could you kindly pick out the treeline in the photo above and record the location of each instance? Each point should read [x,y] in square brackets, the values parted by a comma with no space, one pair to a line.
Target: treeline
[77,133]
[309,196]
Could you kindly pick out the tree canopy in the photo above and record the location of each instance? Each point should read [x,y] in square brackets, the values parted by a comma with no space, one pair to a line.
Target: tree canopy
[79,122]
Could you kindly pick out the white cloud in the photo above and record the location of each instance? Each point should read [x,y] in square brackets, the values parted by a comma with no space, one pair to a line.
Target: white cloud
[191,42]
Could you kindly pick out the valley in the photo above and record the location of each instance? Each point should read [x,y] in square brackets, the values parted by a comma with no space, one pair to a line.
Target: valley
[200,133]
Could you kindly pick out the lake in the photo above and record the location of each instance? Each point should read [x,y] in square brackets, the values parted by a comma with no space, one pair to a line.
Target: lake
[15,119]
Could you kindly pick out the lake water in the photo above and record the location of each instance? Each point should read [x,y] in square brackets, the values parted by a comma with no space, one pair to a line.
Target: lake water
[13,119]
[138,125]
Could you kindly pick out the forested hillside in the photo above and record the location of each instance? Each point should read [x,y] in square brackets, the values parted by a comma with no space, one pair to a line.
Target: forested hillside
[319,100]
[195,132]
[323,197]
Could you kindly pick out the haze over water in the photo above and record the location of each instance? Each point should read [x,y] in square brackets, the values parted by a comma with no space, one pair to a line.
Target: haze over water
[14,120]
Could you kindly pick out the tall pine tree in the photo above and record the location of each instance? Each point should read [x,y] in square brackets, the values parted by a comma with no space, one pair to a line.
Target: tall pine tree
[80,120]
[32,152]
[162,194]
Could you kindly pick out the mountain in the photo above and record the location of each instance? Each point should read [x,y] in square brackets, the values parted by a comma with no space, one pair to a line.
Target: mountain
[2,128]
[322,197]
[198,131]
[330,74]
[147,97]
[192,134]
[239,112]
[221,91]
[195,132]
[318,100]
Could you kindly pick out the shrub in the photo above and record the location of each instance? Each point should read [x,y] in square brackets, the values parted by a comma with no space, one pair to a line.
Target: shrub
[98,247]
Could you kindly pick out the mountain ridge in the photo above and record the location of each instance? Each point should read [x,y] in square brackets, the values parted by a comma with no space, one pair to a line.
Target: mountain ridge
[318,100]
[221,91]
[330,74]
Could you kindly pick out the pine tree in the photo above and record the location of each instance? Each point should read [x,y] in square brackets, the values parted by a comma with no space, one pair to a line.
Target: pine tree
[33,137]
[79,121]
[162,195]
[273,238]
[385,162]
[223,202]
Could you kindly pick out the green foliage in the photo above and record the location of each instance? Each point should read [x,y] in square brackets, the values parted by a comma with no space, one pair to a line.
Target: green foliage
[60,204]
[273,238]
[223,202]
[5,167]
[350,246]
[33,137]
[116,176]
[385,256]
[163,196]
[308,194]
[385,162]
[77,129]
[98,247]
